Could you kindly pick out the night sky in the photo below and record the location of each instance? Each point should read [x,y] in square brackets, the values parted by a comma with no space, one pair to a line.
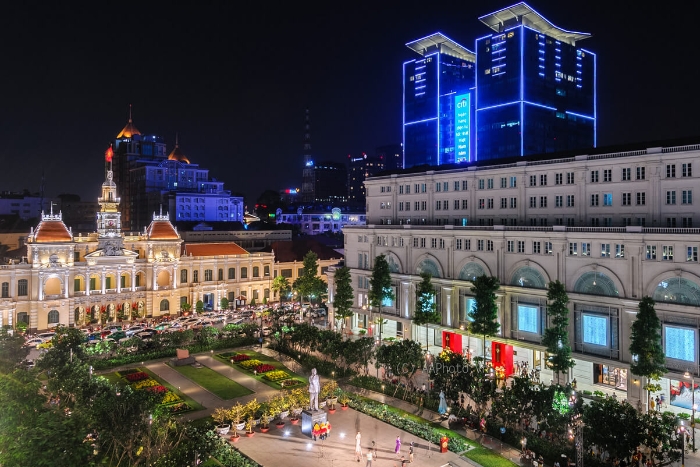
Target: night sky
[233,79]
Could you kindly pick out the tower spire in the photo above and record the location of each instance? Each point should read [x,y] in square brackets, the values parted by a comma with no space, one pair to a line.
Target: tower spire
[308,194]
[129,113]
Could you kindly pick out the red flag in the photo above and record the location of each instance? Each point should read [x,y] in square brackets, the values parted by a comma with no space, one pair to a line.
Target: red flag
[109,154]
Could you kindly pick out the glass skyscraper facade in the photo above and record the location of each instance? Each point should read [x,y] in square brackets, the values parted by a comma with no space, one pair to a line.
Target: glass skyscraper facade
[531,90]
[438,102]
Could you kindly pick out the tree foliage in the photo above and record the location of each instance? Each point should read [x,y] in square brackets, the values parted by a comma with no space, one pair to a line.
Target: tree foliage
[342,301]
[281,286]
[645,342]
[380,286]
[484,314]
[12,350]
[402,358]
[556,335]
[308,284]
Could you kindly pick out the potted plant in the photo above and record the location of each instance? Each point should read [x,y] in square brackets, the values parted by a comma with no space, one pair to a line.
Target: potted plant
[329,392]
[237,414]
[265,419]
[296,400]
[220,415]
[249,423]
[253,410]
[344,400]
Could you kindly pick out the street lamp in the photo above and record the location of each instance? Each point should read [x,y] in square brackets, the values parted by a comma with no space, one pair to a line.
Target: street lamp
[692,388]
[269,286]
[681,433]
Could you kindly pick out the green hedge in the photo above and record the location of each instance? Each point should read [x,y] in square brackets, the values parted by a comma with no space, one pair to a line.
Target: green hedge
[375,384]
[323,367]
[423,429]
[111,362]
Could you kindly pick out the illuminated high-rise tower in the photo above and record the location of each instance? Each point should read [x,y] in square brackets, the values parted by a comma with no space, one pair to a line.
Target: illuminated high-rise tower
[535,87]
[437,102]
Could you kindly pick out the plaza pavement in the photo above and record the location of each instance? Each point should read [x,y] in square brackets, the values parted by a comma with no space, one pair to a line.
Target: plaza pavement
[290,448]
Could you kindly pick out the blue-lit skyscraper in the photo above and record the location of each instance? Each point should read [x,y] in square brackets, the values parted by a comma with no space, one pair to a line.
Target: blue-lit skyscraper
[528,89]
[535,89]
[438,102]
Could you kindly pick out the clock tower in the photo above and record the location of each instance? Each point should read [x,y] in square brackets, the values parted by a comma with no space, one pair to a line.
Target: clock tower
[109,227]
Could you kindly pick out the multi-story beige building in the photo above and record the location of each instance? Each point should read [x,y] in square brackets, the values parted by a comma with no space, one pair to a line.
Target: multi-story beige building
[613,227]
[108,275]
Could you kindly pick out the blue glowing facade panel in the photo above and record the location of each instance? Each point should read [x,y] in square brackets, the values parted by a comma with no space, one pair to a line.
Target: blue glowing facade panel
[431,86]
[534,95]
[462,123]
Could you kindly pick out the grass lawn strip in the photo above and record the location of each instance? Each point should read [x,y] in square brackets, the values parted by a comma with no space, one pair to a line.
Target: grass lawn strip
[213,382]
[226,358]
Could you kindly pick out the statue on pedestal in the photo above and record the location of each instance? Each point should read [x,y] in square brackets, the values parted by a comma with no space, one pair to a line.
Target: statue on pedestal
[314,389]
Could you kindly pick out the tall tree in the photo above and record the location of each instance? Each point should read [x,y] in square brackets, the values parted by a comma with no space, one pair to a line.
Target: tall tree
[308,284]
[645,346]
[402,358]
[425,305]
[380,287]
[556,336]
[485,311]
[12,350]
[342,301]
[281,286]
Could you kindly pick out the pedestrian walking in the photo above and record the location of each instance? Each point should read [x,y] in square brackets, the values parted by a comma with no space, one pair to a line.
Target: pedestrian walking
[398,445]
[358,447]
[369,459]
[410,452]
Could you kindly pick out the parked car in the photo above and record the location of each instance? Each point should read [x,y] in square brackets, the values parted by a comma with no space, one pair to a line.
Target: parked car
[46,336]
[32,343]
[113,328]
[117,336]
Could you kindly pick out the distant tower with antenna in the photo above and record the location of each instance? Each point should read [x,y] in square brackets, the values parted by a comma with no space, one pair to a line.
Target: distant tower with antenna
[308,182]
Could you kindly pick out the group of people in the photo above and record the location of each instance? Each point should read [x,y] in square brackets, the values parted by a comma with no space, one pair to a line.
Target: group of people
[529,458]
[371,453]
[656,403]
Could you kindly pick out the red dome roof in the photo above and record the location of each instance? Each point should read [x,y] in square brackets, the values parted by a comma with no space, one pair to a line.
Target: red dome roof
[50,231]
[162,230]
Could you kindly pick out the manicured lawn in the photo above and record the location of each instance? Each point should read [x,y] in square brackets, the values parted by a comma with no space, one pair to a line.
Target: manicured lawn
[213,382]
[226,358]
[487,458]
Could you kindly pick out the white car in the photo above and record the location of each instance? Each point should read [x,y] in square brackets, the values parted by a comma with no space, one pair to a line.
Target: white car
[46,336]
[32,343]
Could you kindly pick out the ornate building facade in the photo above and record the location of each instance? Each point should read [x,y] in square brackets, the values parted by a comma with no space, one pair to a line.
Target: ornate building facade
[613,227]
[108,275]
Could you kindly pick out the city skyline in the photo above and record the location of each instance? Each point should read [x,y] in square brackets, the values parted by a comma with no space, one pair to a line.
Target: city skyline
[235,87]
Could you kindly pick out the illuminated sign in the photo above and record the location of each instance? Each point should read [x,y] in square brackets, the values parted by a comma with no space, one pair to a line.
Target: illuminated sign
[462,123]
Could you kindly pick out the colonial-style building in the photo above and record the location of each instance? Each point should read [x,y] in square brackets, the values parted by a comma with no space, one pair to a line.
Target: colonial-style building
[108,275]
[612,226]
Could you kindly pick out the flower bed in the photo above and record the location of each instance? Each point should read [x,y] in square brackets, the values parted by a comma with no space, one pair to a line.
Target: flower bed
[241,357]
[171,398]
[250,364]
[288,383]
[276,375]
[146,383]
[264,368]
[157,389]
[179,408]
[138,376]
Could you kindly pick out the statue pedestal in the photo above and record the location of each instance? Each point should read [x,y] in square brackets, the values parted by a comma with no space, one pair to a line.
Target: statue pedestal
[309,418]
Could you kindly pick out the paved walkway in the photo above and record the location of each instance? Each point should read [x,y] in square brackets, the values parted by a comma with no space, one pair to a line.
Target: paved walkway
[338,450]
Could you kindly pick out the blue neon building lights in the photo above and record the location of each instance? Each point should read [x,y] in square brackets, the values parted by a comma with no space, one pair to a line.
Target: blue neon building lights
[531,90]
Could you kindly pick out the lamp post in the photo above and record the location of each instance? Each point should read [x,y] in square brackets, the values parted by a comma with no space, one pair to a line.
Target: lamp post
[681,432]
[692,388]
[269,287]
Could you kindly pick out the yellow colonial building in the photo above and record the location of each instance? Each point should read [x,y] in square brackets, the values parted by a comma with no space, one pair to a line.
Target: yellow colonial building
[109,275]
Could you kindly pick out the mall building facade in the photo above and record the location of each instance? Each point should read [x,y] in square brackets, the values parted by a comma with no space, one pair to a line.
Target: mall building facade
[612,226]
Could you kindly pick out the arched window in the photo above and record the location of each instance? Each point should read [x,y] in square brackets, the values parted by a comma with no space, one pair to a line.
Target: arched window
[528,277]
[183,276]
[596,283]
[5,290]
[244,273]
[471,271]
[23,317]
[393,264]
[256,271]
[164,305]
[195,276]
[53,317]
[266,270]
[231,273]
[678,290]
[428,266]
[220,275]
[22,287]
[208,275]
